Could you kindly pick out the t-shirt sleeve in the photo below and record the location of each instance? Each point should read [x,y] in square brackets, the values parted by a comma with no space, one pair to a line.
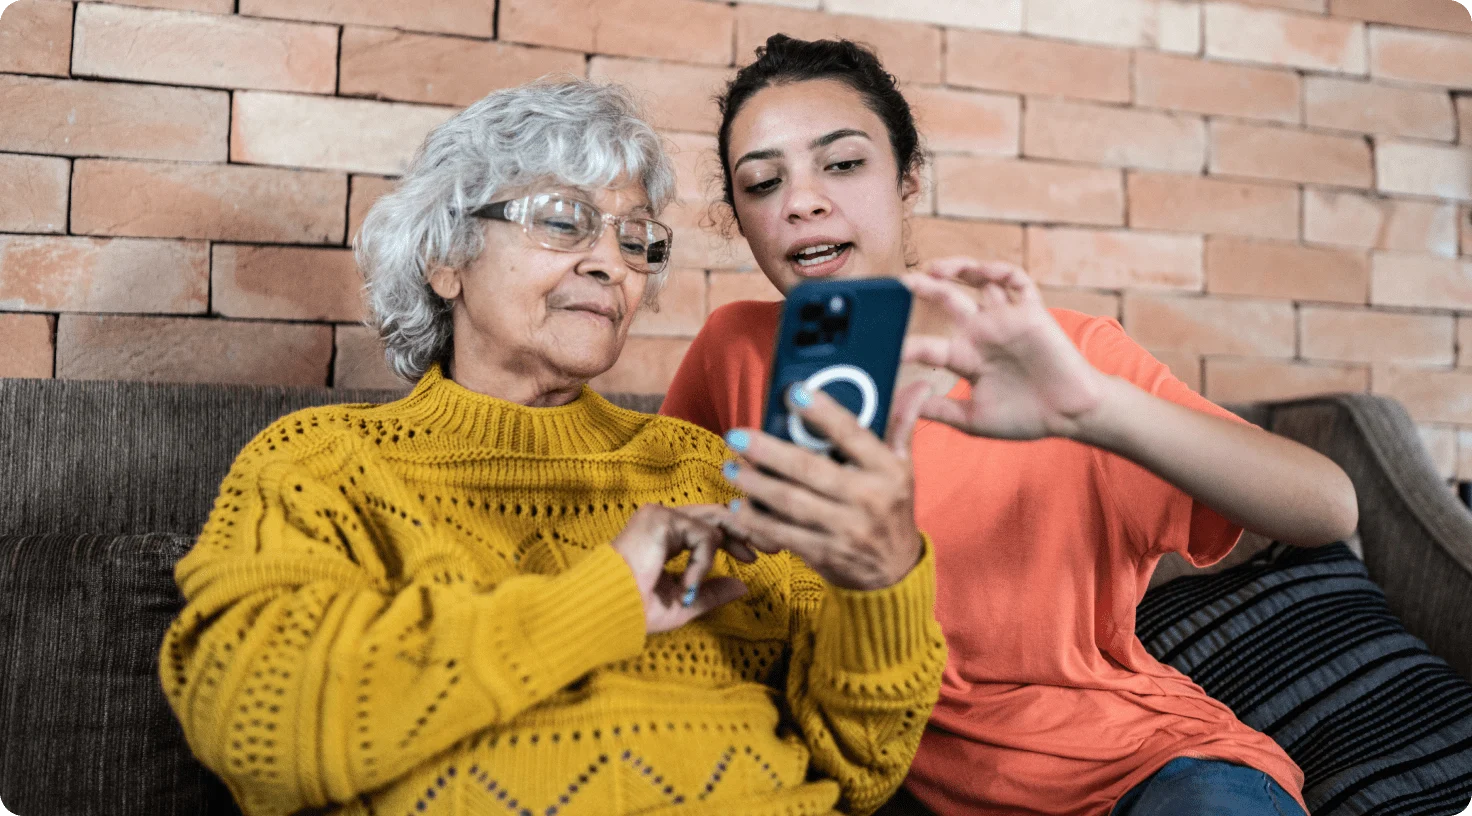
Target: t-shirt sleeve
[1161,517]
[690,395]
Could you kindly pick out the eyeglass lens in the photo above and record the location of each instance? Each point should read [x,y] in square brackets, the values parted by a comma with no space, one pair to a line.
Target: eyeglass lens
[568,224]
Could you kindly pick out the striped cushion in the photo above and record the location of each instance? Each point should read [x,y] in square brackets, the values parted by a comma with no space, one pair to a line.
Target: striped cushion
[1301,645]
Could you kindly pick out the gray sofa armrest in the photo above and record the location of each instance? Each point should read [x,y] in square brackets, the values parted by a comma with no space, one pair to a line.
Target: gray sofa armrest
[1416,536]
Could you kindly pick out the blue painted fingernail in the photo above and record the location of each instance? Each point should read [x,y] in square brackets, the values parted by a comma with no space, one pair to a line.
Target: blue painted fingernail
[801,396]
[738,440]
[735,505]
[729,470]
[689,598]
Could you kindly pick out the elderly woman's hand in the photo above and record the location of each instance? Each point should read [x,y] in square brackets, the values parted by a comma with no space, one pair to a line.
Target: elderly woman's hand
[656,534]
[853,523]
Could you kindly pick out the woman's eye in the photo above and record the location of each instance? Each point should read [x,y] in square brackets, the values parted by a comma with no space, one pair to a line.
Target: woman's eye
[846,164]
[762,186]
[560,227]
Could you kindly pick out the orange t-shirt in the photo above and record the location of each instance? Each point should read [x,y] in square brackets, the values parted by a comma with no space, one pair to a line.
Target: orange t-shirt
[1050,704]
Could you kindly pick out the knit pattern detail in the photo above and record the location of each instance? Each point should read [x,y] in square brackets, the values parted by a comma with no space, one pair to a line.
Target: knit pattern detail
[412,609]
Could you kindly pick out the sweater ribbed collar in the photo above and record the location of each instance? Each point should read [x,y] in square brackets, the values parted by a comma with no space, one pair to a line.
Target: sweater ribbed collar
[589,424]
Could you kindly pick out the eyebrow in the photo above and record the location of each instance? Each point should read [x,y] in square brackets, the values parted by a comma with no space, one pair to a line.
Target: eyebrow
[822,141]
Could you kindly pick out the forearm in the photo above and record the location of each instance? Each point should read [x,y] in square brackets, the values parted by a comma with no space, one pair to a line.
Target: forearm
[1262,482]
[865,674]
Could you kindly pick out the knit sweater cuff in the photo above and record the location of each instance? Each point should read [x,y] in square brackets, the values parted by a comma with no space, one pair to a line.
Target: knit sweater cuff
[871,631]
[585,617]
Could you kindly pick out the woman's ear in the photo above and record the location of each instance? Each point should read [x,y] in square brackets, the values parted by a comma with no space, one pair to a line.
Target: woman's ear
[910,187]
[445,281]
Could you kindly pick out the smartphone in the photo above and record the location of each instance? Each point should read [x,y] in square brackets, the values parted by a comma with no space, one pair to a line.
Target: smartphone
[843,337]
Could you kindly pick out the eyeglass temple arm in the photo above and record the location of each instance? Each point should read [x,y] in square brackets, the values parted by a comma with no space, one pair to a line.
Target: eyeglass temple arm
[496,210]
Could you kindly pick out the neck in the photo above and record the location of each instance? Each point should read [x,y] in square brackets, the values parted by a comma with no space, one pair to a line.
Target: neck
[533,386]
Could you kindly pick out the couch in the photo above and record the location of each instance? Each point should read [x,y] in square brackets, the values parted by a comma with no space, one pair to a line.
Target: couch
[105,483]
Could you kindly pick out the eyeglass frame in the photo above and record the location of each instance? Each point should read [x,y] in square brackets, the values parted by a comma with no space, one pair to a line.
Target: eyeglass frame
[501,211]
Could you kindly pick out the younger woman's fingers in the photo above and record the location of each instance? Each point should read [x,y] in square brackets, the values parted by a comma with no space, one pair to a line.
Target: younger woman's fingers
[948,411]
[944,293]
[978,273]
[942,352]
[907,405]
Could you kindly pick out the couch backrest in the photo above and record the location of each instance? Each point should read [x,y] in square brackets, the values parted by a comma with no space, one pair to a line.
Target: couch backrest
[134,458]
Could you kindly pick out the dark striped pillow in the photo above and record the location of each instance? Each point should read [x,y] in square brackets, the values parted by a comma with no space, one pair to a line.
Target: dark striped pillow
[1301,645]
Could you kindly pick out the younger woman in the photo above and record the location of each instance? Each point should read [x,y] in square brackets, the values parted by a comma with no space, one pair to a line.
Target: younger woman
[1057,461]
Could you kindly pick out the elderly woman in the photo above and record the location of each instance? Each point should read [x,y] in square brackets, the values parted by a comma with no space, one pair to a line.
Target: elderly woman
[503,594]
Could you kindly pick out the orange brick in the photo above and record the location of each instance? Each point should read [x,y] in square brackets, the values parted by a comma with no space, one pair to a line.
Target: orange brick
[286,283]
[1164,24]
[1421,56]
[1030,66]
[910,51]
[71,118]
[1028,191]
[1275,37]
[729,287]
[957,121]
[365,193]
[157,349]
[646,366]
[697,168]
[26,347]
[1428,394]
[1201,86]
[1211,325]
[187,48]
[701,241]
[682,30]
[933,238]
[211,6]
[1183,203]
[426,68]
[359,362]
[1441,445]
[1120,137]
[1102,304]
[1113,259]
[1465,224]
[33,193]
[98,275]
[676,97]
[1346,104]
[470,18]
[308,131]
[1446,15]
[681,307]
[1235,266]
[1398,279]
[1184,366]
[1246,380]
[1314,6]
[1290,155]
[37,39]
[1364,336]
[1464,342]
[1464,119]
[1424,170]
[996,15]
[1352,219]
[219,202]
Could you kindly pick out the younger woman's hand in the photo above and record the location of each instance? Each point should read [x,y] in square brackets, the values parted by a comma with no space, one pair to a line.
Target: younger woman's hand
[1028,380]
[853,524]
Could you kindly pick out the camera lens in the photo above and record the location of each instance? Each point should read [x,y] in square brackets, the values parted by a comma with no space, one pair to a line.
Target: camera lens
[811,311]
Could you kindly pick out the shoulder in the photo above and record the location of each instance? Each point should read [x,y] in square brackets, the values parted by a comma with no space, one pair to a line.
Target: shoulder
[675,440]
[755,318]
[313,435]
[1102,340]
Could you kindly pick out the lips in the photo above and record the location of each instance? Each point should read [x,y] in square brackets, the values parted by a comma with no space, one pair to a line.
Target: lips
[819,258]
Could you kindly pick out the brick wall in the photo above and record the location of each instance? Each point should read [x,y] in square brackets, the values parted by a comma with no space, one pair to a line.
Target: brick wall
[1274,196]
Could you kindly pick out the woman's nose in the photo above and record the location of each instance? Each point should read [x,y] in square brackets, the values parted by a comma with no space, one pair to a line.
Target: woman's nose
[605,262]
[806,200]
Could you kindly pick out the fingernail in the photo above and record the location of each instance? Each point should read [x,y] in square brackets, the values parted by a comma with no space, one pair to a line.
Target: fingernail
[689,598]
[801,396]
[729,470]
[735,505]
[738,440]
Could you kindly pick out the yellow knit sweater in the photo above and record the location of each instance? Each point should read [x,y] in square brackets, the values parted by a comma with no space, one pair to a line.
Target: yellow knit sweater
[412,609]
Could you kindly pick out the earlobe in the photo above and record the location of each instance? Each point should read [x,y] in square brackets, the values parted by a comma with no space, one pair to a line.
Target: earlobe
[445,282]
[910,187]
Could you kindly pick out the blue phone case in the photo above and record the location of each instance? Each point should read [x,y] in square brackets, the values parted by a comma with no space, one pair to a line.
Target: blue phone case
[842,336]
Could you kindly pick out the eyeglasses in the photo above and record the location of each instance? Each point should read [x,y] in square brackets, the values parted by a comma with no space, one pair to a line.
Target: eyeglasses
[568,225]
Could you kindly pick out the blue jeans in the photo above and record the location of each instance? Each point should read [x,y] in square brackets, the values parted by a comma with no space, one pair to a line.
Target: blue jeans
[1207,787]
